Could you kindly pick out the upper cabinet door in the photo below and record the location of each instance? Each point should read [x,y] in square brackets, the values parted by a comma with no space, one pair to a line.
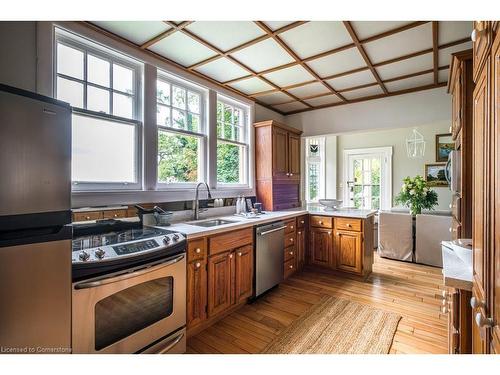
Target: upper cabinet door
[294,156]
[481,45]
[280,153]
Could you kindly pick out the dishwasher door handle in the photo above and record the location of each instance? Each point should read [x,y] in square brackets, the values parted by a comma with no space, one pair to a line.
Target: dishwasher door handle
[272,230]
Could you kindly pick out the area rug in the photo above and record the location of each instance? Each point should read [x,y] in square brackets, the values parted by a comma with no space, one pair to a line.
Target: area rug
[338,326]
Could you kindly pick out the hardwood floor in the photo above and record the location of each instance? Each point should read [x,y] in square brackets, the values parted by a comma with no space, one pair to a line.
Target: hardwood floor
[411,290]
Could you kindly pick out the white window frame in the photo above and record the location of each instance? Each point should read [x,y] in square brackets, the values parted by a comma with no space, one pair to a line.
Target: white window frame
[202,134]
[317,160]
[244,161]
[385,172]
[89,47]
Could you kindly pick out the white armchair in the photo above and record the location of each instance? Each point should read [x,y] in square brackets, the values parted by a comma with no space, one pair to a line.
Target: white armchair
[395,236]
[430,231]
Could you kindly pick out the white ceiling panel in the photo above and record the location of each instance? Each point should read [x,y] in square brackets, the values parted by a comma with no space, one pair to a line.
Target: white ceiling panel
[226,34]
[352,80]
[407,66]
[403,43]
[274,98]
[137,32]
[275,25]
[288,107]
[182,49]
[289,76]
[264,55]
[445,53]
[361,93]
[310,89]
[222,70]
[443,75]
[338,62]
[251,85]
[407,83]
[323,100]
[315,37]
[366,29]
[450,31]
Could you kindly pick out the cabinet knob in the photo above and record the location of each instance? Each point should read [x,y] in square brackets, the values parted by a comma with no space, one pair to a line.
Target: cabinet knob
[291,239]
[87,217]
[230,256]
[299,232]
[198,265]
[198,250]
[348,225]
[444,310]
[290,266]
[320,222]
[481,321]
[302,222]
[329,232]
[288,174]
[291,174]
[291,252]
[240,254]
[291,226]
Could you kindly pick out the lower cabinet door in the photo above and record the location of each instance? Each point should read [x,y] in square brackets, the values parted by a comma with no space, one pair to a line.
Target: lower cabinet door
[219,282]
[348,249]
[243,273]
[196,293]
[321,246]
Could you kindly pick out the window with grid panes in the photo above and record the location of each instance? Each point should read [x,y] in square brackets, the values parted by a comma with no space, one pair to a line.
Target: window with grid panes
[315,169]
[103,87]
[181,134]
[232,144]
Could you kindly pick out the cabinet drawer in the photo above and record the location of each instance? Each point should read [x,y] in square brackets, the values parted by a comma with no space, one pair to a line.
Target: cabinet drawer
[227,241]
[290,226]
[197,249]
[344,223]
[90,215]
[321,221]
[289,253]
[289,239]
[301,221]
[289,268]
[114,214]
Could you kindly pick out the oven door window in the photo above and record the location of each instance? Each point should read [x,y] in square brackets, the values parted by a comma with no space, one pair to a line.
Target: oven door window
[132,309]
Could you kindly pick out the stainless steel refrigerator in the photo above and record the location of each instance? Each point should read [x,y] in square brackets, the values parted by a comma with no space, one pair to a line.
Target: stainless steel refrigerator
[35,217]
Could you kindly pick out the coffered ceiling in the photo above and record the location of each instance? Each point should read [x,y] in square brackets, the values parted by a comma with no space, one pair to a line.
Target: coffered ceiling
[299,66]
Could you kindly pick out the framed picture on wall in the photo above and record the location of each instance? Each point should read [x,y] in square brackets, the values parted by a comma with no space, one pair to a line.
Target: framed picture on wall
[444,145]
[435,175]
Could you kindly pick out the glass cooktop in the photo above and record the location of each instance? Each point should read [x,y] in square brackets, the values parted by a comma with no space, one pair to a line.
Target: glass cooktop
[117,237]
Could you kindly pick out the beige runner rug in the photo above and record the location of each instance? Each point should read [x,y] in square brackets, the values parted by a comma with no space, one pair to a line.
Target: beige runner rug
[338,326]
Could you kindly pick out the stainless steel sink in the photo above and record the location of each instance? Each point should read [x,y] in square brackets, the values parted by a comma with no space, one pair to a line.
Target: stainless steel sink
[211,223]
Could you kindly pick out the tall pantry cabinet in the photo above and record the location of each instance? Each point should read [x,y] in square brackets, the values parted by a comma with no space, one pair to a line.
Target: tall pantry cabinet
[485,300]
[277,165]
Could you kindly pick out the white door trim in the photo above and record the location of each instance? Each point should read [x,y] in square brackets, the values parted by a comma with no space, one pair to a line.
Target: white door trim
[385,172]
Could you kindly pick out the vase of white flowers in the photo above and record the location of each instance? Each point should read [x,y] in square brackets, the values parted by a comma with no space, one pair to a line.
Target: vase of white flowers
[416,195]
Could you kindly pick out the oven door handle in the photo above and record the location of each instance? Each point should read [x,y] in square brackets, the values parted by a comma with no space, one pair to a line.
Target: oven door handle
[172,343]
[114,279]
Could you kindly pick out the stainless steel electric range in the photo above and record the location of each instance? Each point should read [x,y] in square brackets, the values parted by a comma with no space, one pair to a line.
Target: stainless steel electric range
[129,289]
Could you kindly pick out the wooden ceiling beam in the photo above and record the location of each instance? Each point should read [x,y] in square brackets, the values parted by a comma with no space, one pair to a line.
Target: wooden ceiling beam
[283,45]
[435,49]
[173,28]
[362,51]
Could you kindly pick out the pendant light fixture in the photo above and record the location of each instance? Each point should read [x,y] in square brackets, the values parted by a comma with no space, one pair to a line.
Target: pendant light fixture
[415,145]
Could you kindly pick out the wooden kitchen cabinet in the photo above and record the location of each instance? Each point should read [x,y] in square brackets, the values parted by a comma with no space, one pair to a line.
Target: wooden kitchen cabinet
[342,244]
[196,292]
[481,46]
[321,246]
[243,273]
[348,251]
[277,165]
[220,267]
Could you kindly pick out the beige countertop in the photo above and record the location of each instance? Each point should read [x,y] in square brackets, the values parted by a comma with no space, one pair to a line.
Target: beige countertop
[193,231]
[457,270]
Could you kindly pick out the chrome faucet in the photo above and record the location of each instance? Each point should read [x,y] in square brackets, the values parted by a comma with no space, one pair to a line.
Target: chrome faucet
[196,202]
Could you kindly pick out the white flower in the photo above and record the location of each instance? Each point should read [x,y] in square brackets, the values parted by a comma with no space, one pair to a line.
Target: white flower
[403,187]
[412,192]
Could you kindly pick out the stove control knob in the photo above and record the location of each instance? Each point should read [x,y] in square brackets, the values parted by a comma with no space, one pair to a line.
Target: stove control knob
[100,253]
[84,256]
[176,237]
[166,239]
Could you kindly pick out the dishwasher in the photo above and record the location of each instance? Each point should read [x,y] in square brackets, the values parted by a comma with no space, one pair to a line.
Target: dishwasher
[269,256]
